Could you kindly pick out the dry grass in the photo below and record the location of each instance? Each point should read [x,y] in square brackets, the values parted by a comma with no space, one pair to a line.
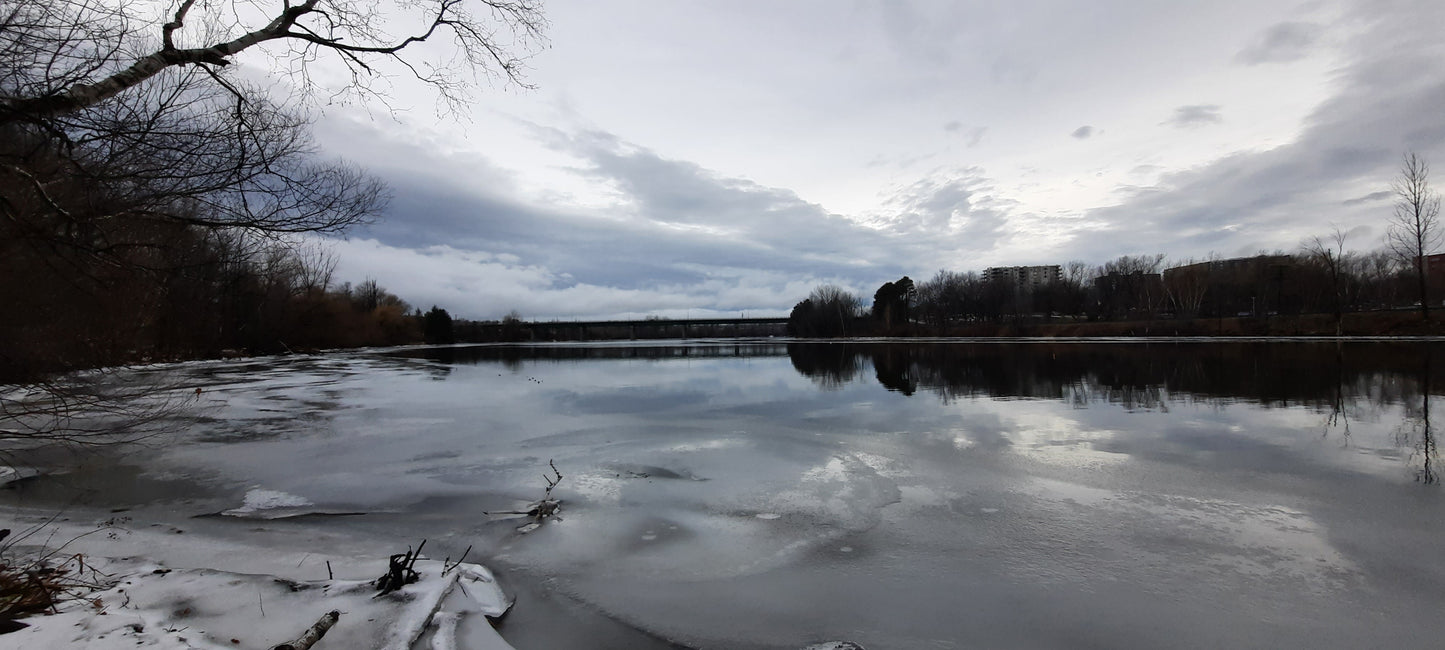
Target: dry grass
[36,581]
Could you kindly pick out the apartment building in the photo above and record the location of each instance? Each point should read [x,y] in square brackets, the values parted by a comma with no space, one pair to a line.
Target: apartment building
[1025,277]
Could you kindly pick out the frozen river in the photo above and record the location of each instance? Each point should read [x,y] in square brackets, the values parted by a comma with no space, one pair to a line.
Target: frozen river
[770,495]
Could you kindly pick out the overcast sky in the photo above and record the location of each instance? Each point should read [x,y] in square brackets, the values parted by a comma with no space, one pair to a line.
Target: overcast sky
[690,158]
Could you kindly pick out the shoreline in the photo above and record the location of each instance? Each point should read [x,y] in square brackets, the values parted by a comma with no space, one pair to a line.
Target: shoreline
[288,551]
[161,585]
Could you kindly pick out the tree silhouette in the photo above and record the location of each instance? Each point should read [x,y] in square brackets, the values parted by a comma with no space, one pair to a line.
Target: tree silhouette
[437,326]
[1414,231]
[893,302]
[829,311]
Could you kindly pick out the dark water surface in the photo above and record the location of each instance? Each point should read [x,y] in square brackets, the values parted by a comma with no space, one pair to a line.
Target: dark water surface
[925,495]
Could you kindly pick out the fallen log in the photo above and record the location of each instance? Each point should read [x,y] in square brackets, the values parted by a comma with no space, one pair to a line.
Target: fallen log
[312,635]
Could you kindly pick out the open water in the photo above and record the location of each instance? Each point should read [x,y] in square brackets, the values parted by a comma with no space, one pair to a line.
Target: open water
[723,494]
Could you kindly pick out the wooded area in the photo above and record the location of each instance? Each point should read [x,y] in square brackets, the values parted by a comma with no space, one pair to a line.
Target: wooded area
[154,205]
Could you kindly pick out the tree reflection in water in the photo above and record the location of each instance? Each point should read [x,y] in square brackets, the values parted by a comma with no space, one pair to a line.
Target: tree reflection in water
[1415,433]
[1342,381]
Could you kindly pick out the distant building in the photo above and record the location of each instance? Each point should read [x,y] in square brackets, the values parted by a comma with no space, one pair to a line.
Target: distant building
[1435,272]
[1025,277]
[1257,285]
[1434,278]
[1238,269]
[1124,295]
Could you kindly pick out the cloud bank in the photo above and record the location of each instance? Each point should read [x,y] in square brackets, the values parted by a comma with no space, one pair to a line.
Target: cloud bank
[855,146]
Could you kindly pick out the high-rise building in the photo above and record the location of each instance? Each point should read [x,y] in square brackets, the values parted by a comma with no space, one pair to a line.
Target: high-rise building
[1025,277]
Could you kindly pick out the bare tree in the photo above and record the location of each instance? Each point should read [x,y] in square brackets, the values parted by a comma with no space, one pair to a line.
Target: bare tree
[367,295]
[837,299]
[1131,264]
[1077,272]
[1378,271]
[96,407]
[317,264]
[944,297]
[92,95]
[1414,231]
[827,312]
[1329,253]
[64,56]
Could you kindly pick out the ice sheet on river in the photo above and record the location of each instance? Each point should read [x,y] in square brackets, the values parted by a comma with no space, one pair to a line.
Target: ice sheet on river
[738,502]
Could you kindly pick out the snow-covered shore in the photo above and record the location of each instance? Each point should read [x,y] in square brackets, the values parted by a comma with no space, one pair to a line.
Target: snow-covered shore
[160,587]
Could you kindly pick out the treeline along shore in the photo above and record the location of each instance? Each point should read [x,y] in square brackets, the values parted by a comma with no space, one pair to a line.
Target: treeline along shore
[1376,323]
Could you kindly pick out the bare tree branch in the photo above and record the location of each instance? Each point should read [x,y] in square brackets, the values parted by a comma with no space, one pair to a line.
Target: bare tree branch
[1414,231]
[76,78]
[1329,253]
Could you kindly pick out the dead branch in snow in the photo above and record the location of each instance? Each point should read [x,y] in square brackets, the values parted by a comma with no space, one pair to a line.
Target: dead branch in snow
[312,635]
[400,571]
[448,566]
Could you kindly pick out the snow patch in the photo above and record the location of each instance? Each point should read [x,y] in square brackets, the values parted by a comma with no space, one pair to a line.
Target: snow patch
[148,605]
[836,470]
[259,501]
[708,445]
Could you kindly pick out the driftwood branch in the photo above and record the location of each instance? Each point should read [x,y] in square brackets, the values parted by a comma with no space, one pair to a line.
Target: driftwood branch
[448,566]
[312,635]
[539,510]
[551,483]
[400,571]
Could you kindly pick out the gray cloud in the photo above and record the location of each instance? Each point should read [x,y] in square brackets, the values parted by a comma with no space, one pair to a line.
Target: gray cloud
[975,136]
[972,135]
[954,209]
[1281,43]
[1083,132]
[1194,115]
[1013,70]
[1388,101]
[899,162]
[665,192]
[916,36]
[1369,198]
[678,236]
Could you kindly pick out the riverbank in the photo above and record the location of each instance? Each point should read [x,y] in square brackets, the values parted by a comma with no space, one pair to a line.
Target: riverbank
[122,584]
[1378,323]
[1359,324]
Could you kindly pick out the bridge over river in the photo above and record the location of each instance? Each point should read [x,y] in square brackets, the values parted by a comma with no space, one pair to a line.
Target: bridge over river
[653,328]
